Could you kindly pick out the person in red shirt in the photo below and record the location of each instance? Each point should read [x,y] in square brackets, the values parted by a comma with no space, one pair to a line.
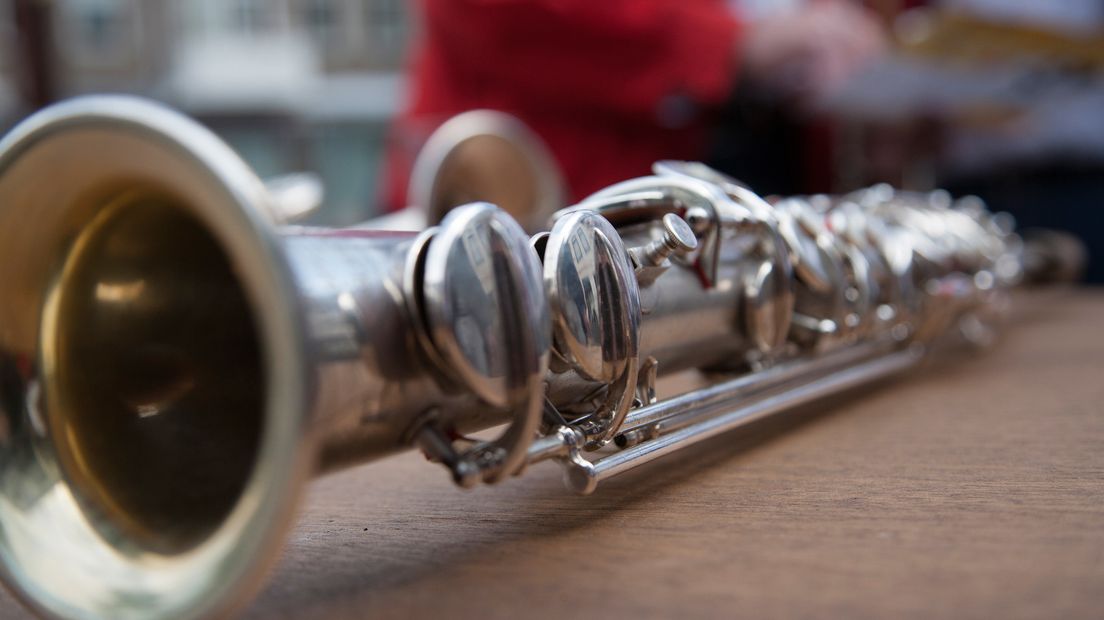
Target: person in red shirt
[612,85]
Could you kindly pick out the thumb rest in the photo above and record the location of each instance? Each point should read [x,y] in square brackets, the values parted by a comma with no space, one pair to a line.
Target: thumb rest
[176,359]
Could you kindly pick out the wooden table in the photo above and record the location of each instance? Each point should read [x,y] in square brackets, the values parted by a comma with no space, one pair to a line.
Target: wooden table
[971,489]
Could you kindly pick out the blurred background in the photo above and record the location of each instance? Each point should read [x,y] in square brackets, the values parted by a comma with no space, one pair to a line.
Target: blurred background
[293,85]
[999,98]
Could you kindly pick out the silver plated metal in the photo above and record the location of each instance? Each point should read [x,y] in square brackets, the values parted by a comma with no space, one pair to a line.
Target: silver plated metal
[484,303]
[176,361]
[595,310]
[594,297]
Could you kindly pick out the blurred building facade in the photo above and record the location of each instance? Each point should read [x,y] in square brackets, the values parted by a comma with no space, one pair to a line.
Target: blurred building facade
[8,92]
[291,84]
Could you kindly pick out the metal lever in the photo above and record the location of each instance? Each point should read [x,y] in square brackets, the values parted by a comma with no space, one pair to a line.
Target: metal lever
[582,476]
[652,260]
[678,238]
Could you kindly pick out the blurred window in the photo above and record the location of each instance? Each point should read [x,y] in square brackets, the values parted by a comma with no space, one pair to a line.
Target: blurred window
[7,38]
[254,16]
[99,33]
[9,95]
[321,17]
[1071,15]
[387,28]
[348,156]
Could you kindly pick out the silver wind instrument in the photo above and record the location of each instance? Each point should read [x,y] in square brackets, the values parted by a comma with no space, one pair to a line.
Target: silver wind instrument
[177,360]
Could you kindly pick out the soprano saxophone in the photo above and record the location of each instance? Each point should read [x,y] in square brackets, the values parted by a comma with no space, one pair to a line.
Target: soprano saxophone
[177,358]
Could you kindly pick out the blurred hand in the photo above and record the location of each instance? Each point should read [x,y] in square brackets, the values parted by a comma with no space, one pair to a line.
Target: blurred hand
[809,53]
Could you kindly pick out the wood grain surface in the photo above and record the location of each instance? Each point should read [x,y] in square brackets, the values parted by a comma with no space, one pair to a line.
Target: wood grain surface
[973,488]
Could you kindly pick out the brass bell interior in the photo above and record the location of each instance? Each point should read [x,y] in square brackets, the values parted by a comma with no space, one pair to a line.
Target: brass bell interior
[154,373]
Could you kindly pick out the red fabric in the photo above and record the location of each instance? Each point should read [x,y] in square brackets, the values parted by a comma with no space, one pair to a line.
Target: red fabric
[610,85]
